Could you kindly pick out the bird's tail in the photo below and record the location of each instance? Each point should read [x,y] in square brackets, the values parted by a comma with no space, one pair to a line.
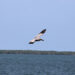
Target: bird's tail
[42,40]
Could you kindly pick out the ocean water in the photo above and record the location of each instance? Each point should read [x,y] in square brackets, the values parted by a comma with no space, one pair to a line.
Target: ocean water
[28,64]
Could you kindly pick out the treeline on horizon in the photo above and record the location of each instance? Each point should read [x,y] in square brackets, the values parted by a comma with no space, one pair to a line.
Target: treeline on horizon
[36,52]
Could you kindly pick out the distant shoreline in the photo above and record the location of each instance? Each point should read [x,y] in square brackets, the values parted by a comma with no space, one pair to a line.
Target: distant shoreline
[37,52]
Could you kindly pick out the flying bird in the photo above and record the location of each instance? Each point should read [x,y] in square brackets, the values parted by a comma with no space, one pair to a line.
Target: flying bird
[37,38]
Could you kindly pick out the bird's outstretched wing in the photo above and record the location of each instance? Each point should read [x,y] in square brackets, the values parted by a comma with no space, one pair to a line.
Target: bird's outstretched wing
[37,37]
[41,33]
[32,41]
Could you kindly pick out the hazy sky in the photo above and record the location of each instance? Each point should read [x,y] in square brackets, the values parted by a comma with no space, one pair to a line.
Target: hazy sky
[21,20]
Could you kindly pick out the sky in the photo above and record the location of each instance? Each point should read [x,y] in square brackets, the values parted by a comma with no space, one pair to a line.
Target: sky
[22,20]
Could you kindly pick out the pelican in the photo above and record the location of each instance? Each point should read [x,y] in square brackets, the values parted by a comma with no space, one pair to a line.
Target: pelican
[37,38]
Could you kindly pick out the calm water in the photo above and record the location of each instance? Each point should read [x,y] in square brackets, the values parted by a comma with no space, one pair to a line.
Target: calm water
[24,64]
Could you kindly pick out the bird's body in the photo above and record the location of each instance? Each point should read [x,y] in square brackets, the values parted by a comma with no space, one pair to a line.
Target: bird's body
[37,38]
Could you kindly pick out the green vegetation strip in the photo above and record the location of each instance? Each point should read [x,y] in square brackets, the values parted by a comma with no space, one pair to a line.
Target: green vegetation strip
[36,52]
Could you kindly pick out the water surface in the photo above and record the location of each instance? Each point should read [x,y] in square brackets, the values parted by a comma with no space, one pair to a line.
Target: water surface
[28,64]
